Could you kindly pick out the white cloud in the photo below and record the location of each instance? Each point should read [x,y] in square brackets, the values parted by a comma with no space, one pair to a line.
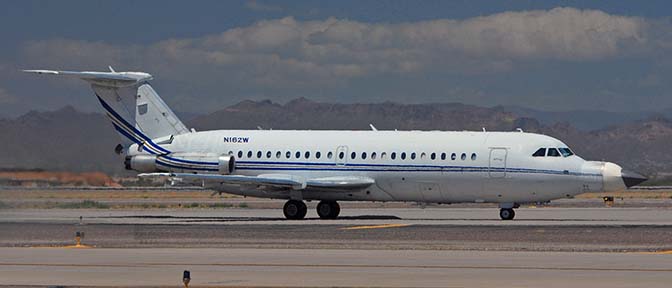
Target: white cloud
[285,52]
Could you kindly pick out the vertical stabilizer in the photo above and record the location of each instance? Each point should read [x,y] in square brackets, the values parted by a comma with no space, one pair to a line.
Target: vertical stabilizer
[135,109]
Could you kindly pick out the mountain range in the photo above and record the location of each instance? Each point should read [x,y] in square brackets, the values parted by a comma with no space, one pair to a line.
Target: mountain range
[67,139]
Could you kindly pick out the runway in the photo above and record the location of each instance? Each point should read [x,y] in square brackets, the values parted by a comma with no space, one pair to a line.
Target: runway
[394,247]
[330,268]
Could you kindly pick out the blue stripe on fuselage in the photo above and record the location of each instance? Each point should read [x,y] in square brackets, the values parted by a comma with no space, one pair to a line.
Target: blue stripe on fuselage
[130,127]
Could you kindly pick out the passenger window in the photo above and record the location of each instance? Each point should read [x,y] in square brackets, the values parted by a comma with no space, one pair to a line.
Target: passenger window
[268,154]
[307,155]
[393,155]
[453,156]
[373,156]
[230,152]
[240,154]
[403,155]
[423,156]
[383,155]
[278,154]
[463,156]
[473,156]
[298,154]
[363,155]
[341,155]
[329,155]
[318,154]
[413,156]
[249,154]
[433,156]
[540,153]
[288,154]
[443,156]
[259,153]
[552,152]
[353,155]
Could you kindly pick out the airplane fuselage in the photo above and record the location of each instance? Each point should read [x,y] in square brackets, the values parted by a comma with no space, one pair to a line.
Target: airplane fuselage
[420,166]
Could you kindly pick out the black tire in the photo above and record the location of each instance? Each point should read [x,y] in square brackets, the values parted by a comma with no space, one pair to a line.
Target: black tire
[295,210]
[507,214]
[328,209]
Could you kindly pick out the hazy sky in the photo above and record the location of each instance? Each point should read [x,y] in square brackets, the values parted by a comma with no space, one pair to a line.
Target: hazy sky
[205,55]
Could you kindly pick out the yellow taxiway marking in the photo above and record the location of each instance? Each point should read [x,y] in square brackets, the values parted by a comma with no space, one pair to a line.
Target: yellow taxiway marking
[82,246]
[663,252]
[375,226]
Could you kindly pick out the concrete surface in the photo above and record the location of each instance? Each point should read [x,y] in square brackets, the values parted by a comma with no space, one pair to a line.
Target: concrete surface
[330,268]
[395,247]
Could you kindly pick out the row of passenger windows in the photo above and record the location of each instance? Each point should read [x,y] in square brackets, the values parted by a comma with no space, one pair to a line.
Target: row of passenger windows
[353,155]
[553,152]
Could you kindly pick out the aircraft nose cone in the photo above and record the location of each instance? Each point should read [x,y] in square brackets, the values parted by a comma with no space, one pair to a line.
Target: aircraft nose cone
[631,178]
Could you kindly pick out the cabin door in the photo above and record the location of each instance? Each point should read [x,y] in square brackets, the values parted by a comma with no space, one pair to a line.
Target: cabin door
[497,168]
[341,155]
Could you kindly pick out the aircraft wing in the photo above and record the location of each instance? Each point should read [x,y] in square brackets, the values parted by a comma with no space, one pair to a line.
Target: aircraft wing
[273,180]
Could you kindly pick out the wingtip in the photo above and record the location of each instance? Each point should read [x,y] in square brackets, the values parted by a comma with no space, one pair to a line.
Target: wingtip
[41,71]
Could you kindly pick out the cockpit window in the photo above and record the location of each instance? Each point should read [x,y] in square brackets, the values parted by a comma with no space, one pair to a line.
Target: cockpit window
[540,153]
[552,152]
[566,152]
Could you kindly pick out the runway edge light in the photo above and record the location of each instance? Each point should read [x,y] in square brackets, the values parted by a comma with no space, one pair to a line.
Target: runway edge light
[186,278]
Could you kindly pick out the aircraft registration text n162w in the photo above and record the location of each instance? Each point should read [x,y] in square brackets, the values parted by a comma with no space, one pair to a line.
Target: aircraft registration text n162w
[507,168]
[236,139]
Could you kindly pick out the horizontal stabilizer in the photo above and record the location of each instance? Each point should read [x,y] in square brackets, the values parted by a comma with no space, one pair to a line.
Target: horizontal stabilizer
[110,79]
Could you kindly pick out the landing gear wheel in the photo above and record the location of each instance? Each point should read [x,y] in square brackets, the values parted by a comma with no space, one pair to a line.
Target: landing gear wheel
[507,214]
[328,209]
[295,210]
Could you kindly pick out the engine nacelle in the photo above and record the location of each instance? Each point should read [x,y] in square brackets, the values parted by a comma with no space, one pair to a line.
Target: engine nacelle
[141,163]
[182,162]
[227,164]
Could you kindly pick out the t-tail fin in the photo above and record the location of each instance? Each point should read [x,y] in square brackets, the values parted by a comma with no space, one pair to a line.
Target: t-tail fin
[135,109]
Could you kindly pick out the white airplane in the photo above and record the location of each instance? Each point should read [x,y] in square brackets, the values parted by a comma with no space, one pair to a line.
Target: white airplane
[508,168]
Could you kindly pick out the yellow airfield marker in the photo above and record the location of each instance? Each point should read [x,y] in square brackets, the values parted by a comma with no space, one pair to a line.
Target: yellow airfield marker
[78,243]
[375,226]
[663,252]
[80,246]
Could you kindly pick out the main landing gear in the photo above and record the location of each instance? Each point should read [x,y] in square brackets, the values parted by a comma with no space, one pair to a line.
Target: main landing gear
[296,210]
[328,209]
[507,213]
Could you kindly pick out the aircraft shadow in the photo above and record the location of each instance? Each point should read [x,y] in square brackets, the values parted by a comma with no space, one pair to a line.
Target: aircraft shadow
[197,219]
[225,219]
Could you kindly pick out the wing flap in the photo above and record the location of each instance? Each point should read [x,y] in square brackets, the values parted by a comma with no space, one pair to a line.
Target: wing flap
[341,182]
[275,180]
[272,180]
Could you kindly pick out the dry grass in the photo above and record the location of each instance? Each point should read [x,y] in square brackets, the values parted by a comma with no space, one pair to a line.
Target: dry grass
[631,194]
[107,194]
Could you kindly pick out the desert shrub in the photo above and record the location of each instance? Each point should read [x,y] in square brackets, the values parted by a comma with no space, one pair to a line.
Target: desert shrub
[85,204]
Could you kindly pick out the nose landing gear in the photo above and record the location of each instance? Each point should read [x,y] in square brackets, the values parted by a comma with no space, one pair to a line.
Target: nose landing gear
[507,213]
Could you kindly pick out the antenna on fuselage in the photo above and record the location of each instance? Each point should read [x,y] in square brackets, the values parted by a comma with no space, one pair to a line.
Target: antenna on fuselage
[520,130]
[373,128]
